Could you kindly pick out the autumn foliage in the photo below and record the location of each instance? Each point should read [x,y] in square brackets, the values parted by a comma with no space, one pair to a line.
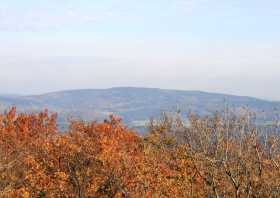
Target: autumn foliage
[211,157]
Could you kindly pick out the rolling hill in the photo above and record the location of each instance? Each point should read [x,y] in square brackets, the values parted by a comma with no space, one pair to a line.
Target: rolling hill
[134,105]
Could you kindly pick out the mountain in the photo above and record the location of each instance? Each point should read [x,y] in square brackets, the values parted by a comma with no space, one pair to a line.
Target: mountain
[134,105]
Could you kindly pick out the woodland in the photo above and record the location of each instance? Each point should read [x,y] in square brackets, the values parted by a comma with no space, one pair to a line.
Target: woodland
[222,155]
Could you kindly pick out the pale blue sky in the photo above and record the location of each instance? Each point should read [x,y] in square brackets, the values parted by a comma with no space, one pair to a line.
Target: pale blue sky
[229,46]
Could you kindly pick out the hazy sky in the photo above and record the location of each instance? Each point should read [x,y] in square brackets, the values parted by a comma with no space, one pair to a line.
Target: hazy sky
[229,46]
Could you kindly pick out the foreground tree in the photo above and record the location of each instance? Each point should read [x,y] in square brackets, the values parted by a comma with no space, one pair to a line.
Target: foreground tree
[218,156]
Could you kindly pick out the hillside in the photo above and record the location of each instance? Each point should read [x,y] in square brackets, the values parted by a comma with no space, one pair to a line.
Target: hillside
[134,105]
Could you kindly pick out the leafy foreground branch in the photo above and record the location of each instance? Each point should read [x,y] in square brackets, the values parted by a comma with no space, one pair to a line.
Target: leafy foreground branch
[211,157]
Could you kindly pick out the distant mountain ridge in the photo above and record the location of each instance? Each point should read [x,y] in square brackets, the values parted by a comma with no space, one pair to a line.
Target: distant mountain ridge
[132,104]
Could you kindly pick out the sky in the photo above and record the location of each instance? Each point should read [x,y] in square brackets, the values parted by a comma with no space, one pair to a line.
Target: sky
[225,46]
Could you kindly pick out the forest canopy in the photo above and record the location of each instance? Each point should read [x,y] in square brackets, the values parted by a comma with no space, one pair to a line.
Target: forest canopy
[217,156]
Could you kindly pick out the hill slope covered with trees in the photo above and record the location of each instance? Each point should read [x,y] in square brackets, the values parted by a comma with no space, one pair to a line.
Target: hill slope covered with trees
[135,105]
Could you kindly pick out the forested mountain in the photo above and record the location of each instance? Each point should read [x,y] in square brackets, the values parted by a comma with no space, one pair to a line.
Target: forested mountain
[135,105]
